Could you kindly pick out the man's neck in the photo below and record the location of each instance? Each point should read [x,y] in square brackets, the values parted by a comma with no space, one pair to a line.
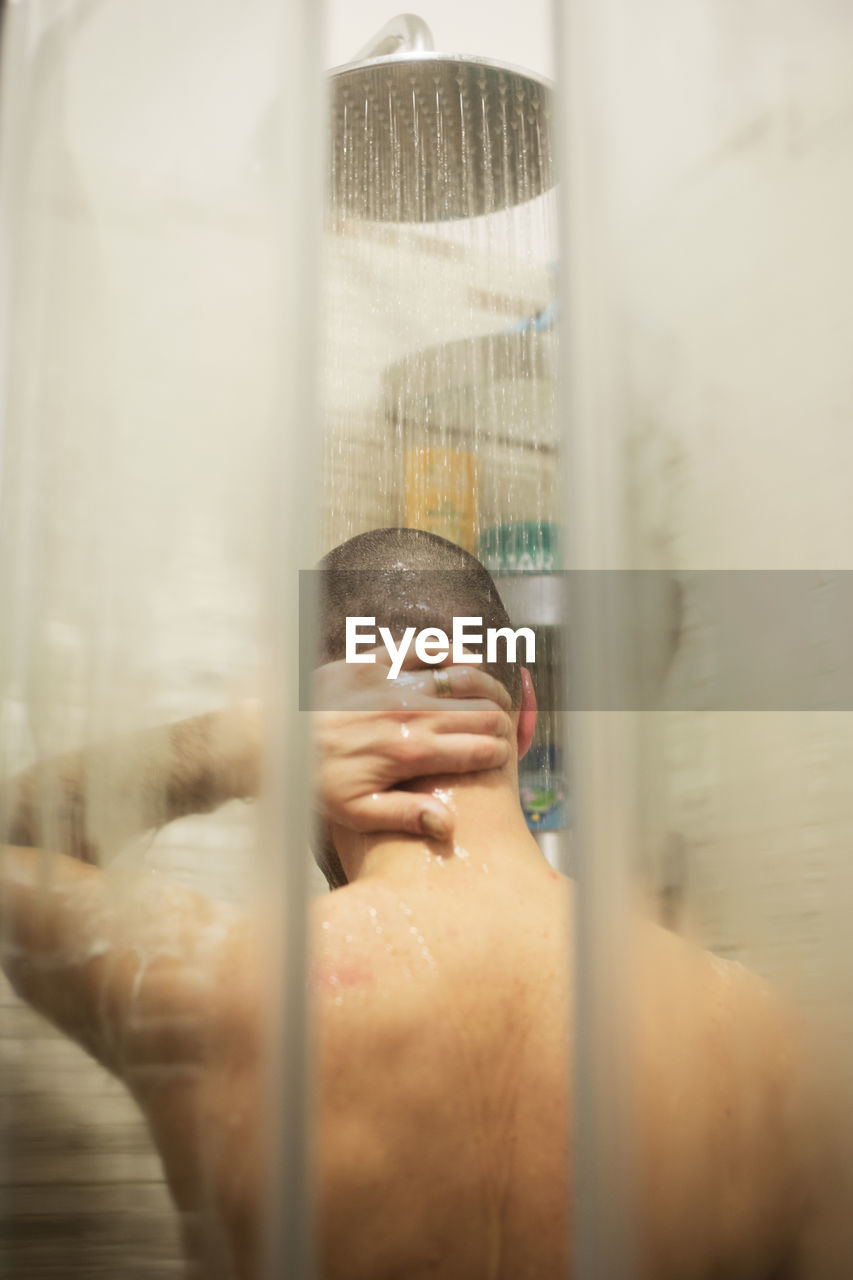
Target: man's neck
[490,834]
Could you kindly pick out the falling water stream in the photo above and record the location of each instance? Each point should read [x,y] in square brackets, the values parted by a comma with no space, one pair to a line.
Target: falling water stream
[440,394]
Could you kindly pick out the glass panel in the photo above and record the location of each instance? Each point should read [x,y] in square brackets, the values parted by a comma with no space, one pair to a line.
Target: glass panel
[157,497]
[709,181]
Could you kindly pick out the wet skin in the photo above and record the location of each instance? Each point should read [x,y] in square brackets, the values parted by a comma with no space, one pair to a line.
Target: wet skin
[441,985]
[441,990]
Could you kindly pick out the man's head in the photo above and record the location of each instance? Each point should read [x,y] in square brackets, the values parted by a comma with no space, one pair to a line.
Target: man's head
[409,578]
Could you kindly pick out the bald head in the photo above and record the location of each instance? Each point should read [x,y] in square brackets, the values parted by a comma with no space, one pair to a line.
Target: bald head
[405,578]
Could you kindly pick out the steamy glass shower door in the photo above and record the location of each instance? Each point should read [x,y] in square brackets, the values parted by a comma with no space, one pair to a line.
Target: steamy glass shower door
[157,428]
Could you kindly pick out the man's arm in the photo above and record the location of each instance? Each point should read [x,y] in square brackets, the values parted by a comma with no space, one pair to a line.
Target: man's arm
[150,778]
[128,966]
[371,735]
[82,946]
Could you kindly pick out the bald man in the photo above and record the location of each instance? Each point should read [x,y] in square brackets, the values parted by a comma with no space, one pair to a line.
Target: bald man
[441,985]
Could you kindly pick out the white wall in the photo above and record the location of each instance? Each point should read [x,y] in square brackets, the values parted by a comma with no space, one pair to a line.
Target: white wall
[732,169]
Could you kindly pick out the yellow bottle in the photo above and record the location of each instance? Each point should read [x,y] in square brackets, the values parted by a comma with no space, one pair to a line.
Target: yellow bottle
[441,487]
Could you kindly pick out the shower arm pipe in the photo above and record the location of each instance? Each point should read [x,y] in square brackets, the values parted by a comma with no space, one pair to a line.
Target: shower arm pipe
[405,33]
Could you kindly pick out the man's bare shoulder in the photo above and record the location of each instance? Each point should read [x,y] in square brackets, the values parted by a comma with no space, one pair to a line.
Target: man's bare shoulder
[740,1042]
[730,1098]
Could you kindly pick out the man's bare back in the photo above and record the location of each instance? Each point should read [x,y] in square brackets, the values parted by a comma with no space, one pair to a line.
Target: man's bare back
[441,993]
[442,1003]
[442,1006]
[444,1012]
[441,982]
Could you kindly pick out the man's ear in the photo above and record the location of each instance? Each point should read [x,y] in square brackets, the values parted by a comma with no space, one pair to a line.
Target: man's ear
[527,714]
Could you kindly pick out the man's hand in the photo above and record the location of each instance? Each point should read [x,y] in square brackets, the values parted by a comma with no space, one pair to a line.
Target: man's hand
[148,778]
[371,734]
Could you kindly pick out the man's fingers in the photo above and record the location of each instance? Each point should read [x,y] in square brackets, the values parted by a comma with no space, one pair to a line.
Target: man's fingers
[457,682]
[401,811]
[473,717]
[461,753]
[340,684]
[468,682]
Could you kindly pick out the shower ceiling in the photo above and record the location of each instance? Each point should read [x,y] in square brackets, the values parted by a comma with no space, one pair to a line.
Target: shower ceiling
[426,137]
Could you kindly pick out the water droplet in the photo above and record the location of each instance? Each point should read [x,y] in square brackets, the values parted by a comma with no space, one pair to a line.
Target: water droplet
[445,797]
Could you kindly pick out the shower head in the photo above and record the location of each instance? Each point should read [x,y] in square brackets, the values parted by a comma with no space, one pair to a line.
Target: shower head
[420,136]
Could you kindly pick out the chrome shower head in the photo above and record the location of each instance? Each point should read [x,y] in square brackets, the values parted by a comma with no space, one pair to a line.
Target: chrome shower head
[420,136]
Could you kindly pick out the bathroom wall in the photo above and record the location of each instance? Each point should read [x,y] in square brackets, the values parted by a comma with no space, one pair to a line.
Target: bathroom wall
[733,186]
